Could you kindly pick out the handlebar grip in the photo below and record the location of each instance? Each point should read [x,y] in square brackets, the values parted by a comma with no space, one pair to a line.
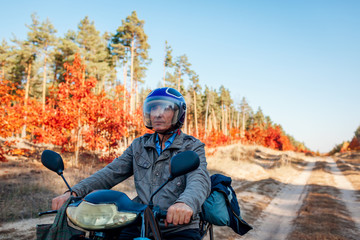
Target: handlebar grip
[162,214]
[47,212]
[159,214]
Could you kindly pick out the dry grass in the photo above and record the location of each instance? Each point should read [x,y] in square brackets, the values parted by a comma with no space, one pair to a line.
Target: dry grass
[27,187]
[17,188]
[256,163]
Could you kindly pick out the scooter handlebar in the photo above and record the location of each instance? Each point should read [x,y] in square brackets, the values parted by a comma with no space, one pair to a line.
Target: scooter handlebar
[160,214]
[47,212]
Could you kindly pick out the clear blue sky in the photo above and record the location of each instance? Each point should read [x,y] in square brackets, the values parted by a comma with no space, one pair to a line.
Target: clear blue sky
[297,60]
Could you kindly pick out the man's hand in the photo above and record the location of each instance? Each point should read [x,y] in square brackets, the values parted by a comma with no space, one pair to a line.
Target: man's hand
[179,213]
[60,200]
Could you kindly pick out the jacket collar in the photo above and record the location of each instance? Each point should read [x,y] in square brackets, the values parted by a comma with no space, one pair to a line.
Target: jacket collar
[150,142]
[177,144]
[178,141]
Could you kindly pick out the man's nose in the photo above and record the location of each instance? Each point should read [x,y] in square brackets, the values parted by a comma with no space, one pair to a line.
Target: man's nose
[158,112]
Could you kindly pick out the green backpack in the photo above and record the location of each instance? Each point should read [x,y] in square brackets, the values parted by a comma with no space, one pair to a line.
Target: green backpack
[221,208]
[60,229]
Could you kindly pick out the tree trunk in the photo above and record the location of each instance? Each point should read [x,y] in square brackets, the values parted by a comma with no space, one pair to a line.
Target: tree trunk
[79,127]
[206,117]
[230,119]
[101,85]
[77,146]
[214,120]
[132,77]
[185,125]
[189,129]
[243,124]
[3,71]
[27,87]
[44,83]
[222,119]
[179,78]
[195,116]
[210,124]
[164,66]
[136,95]
[225,121]
[237,119]
[125,78]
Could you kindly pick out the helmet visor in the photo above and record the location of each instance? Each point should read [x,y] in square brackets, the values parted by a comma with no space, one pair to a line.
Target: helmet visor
[160,113]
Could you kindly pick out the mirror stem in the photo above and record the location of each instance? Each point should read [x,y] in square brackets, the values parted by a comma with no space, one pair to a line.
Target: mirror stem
[71,191]
[151,204]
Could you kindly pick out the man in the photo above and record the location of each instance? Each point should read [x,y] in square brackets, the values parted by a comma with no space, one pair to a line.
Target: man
[148,159]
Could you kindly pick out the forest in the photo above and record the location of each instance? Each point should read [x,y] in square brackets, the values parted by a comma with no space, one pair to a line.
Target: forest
[84,92]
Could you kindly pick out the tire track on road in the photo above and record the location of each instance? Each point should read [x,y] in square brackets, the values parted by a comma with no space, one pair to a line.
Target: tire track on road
[275,220]
[347,191]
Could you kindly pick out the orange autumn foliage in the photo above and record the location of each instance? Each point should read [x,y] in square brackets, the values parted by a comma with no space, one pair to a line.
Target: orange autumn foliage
[73,108]
[354,144]
[271,137]
[73,111]
[11,108]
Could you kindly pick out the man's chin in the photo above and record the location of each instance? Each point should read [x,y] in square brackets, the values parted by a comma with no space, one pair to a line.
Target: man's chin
[161,129]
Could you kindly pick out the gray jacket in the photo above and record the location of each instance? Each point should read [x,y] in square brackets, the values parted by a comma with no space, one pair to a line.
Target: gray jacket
[151,171]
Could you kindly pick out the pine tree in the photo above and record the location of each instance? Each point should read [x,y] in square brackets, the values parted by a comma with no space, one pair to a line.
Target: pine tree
[259,118]
[225,103]
[246,114]
[210,98]
[167,60]
[357,133]
[64,52]
[119,58]
[132,36]
[182,67]
[24,56]
[194,89]
[42,37]
[93,48]
[5,53]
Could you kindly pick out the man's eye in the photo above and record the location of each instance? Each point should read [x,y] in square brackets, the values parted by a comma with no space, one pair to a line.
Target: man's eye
[168,108]
[155,108]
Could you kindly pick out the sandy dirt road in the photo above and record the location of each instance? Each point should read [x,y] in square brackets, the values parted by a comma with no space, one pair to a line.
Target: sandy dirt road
[277,221]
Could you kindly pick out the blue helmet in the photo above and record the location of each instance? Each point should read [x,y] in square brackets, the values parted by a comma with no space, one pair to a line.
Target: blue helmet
[167,97]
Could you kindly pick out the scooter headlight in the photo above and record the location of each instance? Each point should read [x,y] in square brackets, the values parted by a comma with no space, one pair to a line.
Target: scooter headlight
[98,216]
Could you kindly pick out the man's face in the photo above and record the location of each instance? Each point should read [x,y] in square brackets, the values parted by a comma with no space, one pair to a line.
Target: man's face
[161,116]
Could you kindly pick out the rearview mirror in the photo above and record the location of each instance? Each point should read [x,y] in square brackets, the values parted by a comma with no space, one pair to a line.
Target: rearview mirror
[183,163]
[53,161]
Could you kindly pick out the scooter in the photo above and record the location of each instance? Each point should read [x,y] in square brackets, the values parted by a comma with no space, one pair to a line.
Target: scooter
[104,213]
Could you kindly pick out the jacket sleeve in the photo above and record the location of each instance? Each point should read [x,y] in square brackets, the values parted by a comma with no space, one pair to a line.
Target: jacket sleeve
[115,172]
[198,183]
